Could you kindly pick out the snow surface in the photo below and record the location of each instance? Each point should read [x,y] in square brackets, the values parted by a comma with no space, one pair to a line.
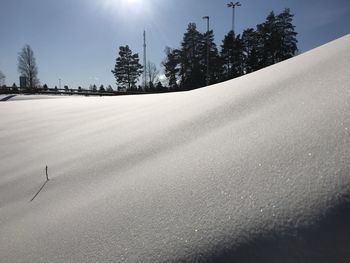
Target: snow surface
[31,97]
[251,170]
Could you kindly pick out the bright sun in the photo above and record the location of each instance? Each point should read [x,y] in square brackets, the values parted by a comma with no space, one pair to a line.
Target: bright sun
[127,7]
[134,5]
[132,2]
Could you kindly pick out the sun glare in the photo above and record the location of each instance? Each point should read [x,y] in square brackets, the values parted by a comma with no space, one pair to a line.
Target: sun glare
[127,6]
[133,1]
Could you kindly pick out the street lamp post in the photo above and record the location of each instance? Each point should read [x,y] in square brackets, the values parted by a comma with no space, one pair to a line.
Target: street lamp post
[208,50]
[233,5]
[144,62]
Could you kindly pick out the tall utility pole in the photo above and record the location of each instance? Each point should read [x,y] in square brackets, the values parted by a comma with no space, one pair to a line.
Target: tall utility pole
[59,83]
[233,5]
[208,50]
[144,62]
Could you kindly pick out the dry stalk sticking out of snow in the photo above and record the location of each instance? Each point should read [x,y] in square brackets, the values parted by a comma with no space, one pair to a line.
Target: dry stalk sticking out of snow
[41,188]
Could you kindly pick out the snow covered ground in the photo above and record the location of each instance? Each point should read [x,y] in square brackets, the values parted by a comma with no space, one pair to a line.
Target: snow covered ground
[256,169]
[15,97]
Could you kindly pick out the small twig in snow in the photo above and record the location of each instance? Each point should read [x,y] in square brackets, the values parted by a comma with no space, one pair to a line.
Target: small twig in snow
[47,175]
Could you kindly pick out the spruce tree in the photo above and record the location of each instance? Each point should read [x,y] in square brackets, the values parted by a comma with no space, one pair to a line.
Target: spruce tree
[127,68]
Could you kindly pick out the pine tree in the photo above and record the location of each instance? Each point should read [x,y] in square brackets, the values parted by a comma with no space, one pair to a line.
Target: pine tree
[127,68]
[288,42]
[215,65]
[188,65]
[192,69]
[250,48]
[277,39]
[268,41]
[171,65]
[232,56]
[109,88]
[160,87]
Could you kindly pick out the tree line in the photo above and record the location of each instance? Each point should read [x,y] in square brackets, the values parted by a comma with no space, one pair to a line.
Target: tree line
[185,68]
[270,42]
[28,70]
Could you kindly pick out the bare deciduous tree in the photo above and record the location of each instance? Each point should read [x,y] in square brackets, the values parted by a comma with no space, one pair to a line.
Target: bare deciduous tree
[2,79]
[27,66]
[152,72]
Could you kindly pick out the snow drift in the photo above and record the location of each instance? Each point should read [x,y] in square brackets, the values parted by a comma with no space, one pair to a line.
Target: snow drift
[251,170]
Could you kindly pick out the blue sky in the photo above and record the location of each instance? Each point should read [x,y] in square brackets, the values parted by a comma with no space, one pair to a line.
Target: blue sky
[77,40]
